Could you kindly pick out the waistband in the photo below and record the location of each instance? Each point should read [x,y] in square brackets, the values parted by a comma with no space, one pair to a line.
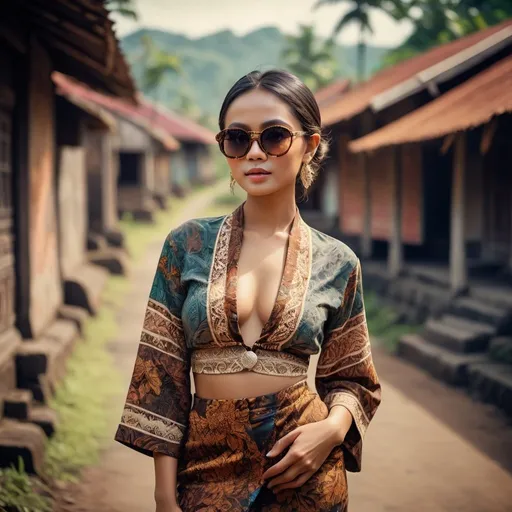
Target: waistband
[281,398]
[234,359]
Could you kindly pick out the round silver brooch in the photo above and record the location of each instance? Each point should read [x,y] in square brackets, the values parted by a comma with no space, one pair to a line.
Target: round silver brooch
[249,359]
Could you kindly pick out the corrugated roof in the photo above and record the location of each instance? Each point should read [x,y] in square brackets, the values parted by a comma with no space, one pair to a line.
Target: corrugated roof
[358,99]
[133,113]
[471,104]
[330,92]
[180,127]
[81,39]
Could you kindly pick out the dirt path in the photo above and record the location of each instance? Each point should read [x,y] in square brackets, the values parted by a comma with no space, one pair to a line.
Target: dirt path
[430,448]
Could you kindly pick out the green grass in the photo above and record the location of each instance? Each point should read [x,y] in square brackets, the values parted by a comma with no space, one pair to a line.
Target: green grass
[139,235]
[21,492]
[82,399]
[383,325]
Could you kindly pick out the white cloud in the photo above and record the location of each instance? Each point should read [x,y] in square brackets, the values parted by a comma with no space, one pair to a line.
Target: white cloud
[196,18]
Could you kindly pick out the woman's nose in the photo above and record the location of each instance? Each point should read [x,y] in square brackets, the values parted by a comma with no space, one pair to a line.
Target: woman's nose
[255,151]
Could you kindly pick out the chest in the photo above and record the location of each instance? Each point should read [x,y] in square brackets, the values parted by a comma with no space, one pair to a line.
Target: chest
[260,269]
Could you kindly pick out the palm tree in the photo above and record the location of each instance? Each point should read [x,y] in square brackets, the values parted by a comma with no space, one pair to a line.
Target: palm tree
[313,63]
[158,63]
[125,8]
[360,15]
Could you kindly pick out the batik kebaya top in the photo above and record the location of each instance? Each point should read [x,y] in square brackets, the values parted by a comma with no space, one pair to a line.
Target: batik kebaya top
[191,322]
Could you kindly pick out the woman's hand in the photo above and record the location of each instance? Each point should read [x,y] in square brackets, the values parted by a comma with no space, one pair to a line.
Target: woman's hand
[310,444]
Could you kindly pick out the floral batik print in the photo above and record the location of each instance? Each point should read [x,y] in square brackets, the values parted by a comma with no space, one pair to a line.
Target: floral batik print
[224,455]
[191,326]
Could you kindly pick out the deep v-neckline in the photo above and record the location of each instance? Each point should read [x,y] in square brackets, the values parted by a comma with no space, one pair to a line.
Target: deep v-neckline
[286,275]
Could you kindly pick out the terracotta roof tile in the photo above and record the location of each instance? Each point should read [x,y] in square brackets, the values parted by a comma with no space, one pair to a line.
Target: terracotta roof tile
[471,104]
[359,98]
[135,113]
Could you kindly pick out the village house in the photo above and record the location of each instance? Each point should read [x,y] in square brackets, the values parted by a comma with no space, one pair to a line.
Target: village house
[43,217]
[364,193]
[193,163]
[87,173]
[142,151]
[466,135]
[320,208]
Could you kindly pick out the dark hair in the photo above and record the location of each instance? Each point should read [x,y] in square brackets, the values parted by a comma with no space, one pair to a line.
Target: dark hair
[292,91]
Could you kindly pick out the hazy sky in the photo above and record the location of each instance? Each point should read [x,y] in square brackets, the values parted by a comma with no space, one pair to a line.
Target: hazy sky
[196,18]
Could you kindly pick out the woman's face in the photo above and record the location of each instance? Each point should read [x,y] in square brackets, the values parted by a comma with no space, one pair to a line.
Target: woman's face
[253,111]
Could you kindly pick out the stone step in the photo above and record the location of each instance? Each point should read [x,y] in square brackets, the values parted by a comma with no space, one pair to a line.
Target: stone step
[41,363]
[469,325]
[84,287]
[500,349]
[17,404]
[44,417]
[22,439]
[439,362]
[455,338]
[492,382]
[74,313]
[115,238]
[474,309]
[113,259]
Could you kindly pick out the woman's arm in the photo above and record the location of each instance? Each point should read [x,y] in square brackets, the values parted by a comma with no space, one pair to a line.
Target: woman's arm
[166,469]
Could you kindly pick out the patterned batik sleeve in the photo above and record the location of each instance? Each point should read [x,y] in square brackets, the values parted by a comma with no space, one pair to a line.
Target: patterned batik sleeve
[345,373]
[156,411]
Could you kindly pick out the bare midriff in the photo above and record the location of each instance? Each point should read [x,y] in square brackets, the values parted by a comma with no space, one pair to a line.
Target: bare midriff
[244,384]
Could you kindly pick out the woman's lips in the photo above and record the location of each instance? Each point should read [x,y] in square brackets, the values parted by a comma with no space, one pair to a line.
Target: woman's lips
[256,175]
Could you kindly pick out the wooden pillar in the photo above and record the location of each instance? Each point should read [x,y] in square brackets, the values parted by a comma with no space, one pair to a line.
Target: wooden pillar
[458,266]
[109,183]
[366,236]
[395,253]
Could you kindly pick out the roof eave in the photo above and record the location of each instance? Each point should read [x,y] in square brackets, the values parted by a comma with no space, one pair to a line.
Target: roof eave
[444,70]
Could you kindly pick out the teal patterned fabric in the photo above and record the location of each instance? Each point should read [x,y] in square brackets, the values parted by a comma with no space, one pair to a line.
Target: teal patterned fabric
[319,309]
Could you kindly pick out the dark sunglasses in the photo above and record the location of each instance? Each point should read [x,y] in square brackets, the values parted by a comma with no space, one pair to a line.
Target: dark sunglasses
[274,141]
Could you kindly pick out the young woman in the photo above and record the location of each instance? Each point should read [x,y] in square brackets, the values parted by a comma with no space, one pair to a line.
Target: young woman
[243,301]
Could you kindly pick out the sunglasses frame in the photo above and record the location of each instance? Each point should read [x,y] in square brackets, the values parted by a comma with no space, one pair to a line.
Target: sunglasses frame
[253,135]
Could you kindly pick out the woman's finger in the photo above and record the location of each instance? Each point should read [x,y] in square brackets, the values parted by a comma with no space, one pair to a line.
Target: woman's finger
[284,442]
[287,476]
[296,482]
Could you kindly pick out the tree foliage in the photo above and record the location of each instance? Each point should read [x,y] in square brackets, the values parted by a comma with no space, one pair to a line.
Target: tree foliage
[308,58]
[157,63]
[359,14]
[441,21]
[124,8]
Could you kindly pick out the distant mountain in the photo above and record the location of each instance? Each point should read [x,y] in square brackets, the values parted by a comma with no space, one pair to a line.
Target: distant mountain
[213,63]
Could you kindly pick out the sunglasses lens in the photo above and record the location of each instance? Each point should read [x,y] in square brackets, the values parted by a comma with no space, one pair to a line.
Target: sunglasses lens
[276,140]
[235,143]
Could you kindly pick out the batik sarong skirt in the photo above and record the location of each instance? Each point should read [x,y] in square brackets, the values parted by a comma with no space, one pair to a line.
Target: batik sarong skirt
[224,455]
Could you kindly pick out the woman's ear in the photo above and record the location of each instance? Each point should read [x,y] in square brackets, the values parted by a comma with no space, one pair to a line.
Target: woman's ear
[312,146]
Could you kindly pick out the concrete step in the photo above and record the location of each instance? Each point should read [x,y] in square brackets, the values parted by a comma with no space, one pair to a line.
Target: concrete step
[475,309]
[455,338]
[439,362]
[492,382]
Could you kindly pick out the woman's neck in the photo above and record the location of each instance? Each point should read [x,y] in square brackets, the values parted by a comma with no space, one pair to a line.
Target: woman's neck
[270,214]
